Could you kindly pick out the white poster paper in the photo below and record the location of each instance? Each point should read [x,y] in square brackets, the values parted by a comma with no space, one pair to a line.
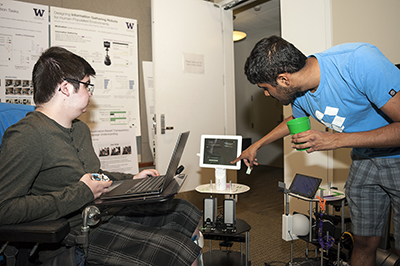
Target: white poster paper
[24,35]
[149,95]
[116,148]
[109,44]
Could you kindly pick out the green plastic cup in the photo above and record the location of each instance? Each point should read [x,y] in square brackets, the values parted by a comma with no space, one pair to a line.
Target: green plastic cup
[298,125]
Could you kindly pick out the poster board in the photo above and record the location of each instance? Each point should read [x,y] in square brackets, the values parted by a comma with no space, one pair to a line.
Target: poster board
[24,34]
[109,44]
[150,108]
[116,148]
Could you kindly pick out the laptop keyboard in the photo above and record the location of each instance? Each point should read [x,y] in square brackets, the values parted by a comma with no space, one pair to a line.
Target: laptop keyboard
[148,184]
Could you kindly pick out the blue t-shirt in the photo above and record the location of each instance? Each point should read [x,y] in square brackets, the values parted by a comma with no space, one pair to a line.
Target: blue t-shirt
[356,81]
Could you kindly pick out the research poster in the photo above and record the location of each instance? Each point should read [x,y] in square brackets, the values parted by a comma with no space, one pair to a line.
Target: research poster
[116,148]
[24,35]
[150,109]
[109,44]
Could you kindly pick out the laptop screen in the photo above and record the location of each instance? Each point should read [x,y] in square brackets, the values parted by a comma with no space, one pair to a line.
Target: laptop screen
[177,154]
[304,185]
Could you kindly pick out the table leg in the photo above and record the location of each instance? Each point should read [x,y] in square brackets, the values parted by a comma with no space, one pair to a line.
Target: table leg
[247,247]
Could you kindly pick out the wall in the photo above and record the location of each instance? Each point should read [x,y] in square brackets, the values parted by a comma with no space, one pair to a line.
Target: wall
[376,23]
[310,34]
[135,9]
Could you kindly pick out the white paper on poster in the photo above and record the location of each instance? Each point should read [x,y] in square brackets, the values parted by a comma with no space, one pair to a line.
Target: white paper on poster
[109,44]
[149,93]
[24,35]
[116,148]
[193,63]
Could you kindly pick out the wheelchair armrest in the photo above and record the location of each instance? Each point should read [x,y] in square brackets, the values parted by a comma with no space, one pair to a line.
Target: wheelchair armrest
[36,232]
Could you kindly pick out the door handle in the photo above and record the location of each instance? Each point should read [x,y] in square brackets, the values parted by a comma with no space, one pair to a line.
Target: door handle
[163,127]
[155,124]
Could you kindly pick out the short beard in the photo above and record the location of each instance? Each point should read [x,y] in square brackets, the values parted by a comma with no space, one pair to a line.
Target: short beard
[290,96]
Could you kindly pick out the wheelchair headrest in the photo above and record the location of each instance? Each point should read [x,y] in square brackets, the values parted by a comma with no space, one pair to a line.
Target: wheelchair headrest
[11,113]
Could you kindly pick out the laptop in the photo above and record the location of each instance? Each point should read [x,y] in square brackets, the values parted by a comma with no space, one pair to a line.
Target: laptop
[305,186]
[149,186]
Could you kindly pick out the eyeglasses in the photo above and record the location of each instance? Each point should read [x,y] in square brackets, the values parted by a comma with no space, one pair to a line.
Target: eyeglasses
[89,87]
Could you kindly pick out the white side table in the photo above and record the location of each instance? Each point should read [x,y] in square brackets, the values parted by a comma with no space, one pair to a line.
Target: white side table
[230,190]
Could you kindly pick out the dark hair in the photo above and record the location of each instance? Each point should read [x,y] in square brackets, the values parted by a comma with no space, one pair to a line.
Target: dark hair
[270,57]
[54,66]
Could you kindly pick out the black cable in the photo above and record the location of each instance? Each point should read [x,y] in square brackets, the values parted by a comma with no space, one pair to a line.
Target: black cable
[305,253]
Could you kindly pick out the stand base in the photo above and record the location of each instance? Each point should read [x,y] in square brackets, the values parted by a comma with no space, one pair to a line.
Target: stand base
[224,258]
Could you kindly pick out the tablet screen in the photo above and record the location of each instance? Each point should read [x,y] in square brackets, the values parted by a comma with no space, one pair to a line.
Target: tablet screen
[305,186]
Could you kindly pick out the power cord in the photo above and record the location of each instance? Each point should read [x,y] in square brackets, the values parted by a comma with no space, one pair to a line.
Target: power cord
[305,253]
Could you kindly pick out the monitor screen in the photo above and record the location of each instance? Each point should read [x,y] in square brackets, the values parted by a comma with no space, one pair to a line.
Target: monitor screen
[217,151]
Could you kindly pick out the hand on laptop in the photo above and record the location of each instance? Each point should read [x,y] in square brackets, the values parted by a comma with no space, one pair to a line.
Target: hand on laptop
[146,173]
[97,187]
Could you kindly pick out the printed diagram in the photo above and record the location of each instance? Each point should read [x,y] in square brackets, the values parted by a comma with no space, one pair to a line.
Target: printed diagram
[5,48]
[121,52]
[21,51]
[114,150]
[107,60]
[17,90]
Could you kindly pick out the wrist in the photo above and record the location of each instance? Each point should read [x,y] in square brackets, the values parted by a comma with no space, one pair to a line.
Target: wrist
[257,145]
[339,140]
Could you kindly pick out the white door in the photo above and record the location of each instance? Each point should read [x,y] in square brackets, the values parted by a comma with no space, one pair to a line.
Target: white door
[193,79]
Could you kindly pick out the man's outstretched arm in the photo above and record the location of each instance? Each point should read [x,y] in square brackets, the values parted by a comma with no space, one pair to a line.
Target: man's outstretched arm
[249,155]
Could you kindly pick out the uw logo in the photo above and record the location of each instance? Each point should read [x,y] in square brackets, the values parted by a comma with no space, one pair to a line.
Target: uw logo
[130,25]
[38,12]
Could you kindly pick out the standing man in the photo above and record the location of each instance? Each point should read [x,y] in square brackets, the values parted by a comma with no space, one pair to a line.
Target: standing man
[353,89]
[45,165]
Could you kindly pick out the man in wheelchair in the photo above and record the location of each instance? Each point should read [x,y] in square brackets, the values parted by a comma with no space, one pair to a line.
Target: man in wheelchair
[46,162]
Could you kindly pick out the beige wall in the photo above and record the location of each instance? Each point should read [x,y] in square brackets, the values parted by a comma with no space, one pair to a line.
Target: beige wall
[310,34]
[375,22]
[370,21]
[135,9]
